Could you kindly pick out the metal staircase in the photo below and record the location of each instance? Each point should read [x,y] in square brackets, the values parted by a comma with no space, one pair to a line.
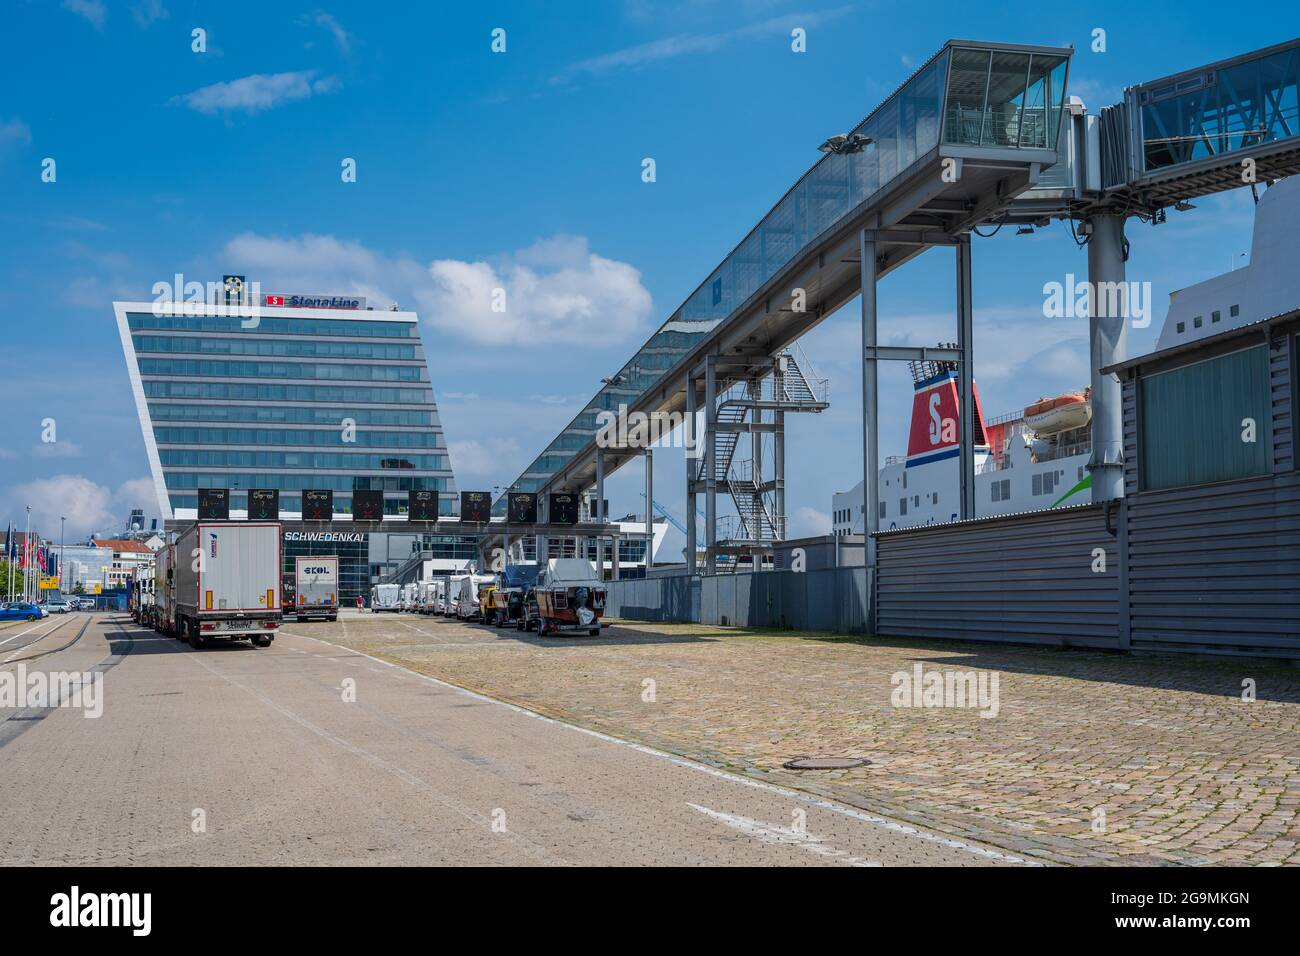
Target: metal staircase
[798,386]
[756,518]
[795,387]
[724,445]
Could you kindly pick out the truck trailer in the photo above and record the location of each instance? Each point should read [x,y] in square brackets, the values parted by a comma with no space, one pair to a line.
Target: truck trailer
[164,590]
[226,583]
[316,588]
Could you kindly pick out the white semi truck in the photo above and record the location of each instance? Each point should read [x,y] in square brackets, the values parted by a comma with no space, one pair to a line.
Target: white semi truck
[226,583]
[316,588]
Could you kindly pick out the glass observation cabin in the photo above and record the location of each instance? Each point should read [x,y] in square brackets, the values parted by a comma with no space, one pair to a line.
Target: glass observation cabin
[987,97]
[1197,118]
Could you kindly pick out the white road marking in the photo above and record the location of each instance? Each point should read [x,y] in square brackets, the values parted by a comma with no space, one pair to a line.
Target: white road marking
[32,628]
[774,835]
[805,798]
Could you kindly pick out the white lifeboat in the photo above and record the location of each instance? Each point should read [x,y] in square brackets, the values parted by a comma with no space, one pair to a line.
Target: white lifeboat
[1048,416]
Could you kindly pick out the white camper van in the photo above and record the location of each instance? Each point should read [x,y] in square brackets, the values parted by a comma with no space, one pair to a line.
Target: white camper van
[410,596]
[467,607]
[452,597]
[385,597]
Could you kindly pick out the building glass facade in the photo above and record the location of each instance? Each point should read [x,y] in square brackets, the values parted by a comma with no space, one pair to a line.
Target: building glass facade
[298,399]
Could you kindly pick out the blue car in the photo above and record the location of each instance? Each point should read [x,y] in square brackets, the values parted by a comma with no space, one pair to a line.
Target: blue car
[18,611]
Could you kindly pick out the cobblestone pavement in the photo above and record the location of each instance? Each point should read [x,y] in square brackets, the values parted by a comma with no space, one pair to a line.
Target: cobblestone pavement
[307,753]
[1091,758]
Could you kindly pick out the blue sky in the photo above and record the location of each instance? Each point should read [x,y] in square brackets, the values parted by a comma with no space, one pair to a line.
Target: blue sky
[524,165]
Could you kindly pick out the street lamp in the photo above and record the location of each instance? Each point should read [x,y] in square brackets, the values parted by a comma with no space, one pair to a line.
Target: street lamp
[27,564]
[62,521]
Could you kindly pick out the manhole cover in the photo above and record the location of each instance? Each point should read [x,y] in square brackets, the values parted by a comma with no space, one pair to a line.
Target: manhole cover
[825,763]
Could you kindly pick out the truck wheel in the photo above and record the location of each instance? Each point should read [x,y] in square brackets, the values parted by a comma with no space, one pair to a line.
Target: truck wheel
[197,640]
[594,632]
[262,640]
[334,617]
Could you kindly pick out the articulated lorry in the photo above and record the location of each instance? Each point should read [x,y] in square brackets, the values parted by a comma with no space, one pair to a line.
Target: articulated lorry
[316,588]
[225,583]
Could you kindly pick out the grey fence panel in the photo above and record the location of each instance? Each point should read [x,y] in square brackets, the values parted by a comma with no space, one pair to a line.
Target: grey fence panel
[1029,578]
[830,599]
[1217,567]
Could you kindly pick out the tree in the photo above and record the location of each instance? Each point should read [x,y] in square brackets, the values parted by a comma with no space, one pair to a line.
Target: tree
[4,579]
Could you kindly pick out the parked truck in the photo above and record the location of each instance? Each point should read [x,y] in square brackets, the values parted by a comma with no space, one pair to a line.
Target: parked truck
[316,588]
[164,590]
[226,583]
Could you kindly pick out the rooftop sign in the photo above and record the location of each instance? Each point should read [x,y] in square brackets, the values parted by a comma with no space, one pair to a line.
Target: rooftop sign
[314,301]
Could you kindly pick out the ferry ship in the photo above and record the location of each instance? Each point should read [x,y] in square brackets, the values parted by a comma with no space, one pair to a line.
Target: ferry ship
[1037,457]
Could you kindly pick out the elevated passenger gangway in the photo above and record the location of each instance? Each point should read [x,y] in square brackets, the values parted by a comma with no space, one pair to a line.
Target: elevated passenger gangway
[1221,126]
[967,133]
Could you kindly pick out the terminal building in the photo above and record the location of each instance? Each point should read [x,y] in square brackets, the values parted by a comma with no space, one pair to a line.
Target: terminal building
[281,395]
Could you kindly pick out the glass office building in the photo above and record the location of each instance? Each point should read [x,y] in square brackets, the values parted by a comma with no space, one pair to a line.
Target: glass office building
[300,398]
[294,398]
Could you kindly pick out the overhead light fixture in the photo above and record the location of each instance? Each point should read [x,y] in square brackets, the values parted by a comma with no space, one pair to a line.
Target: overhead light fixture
[1025,231]
[844,143]
[1183,205]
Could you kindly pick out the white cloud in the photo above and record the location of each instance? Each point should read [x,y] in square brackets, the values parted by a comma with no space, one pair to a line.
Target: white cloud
[253,94]
[491,458]
[14,131]
[341,37]
[683,44]
[148,12]
[88,505]
[554,290]
[56,449]
[808,522]
[137,493]
[92,10]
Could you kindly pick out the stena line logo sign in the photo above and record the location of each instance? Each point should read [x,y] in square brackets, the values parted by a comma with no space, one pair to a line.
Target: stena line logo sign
[314,301]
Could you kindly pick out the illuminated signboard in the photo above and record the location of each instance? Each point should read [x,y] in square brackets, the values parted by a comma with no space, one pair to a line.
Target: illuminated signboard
[318,505]
[263,504]
[422,505]
[367,506]
[564,509]
[522,508]
[475,506]
[214,504]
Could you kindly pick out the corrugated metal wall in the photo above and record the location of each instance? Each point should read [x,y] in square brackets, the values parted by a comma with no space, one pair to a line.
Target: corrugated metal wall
[832,599]
[1213,568]
[1217,568]
[1023,578]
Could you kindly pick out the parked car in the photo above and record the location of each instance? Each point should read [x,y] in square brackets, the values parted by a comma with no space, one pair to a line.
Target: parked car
[20,611]
[58,606]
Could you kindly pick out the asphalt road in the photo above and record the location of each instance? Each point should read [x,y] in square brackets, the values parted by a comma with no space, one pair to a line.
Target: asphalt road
[306,753]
